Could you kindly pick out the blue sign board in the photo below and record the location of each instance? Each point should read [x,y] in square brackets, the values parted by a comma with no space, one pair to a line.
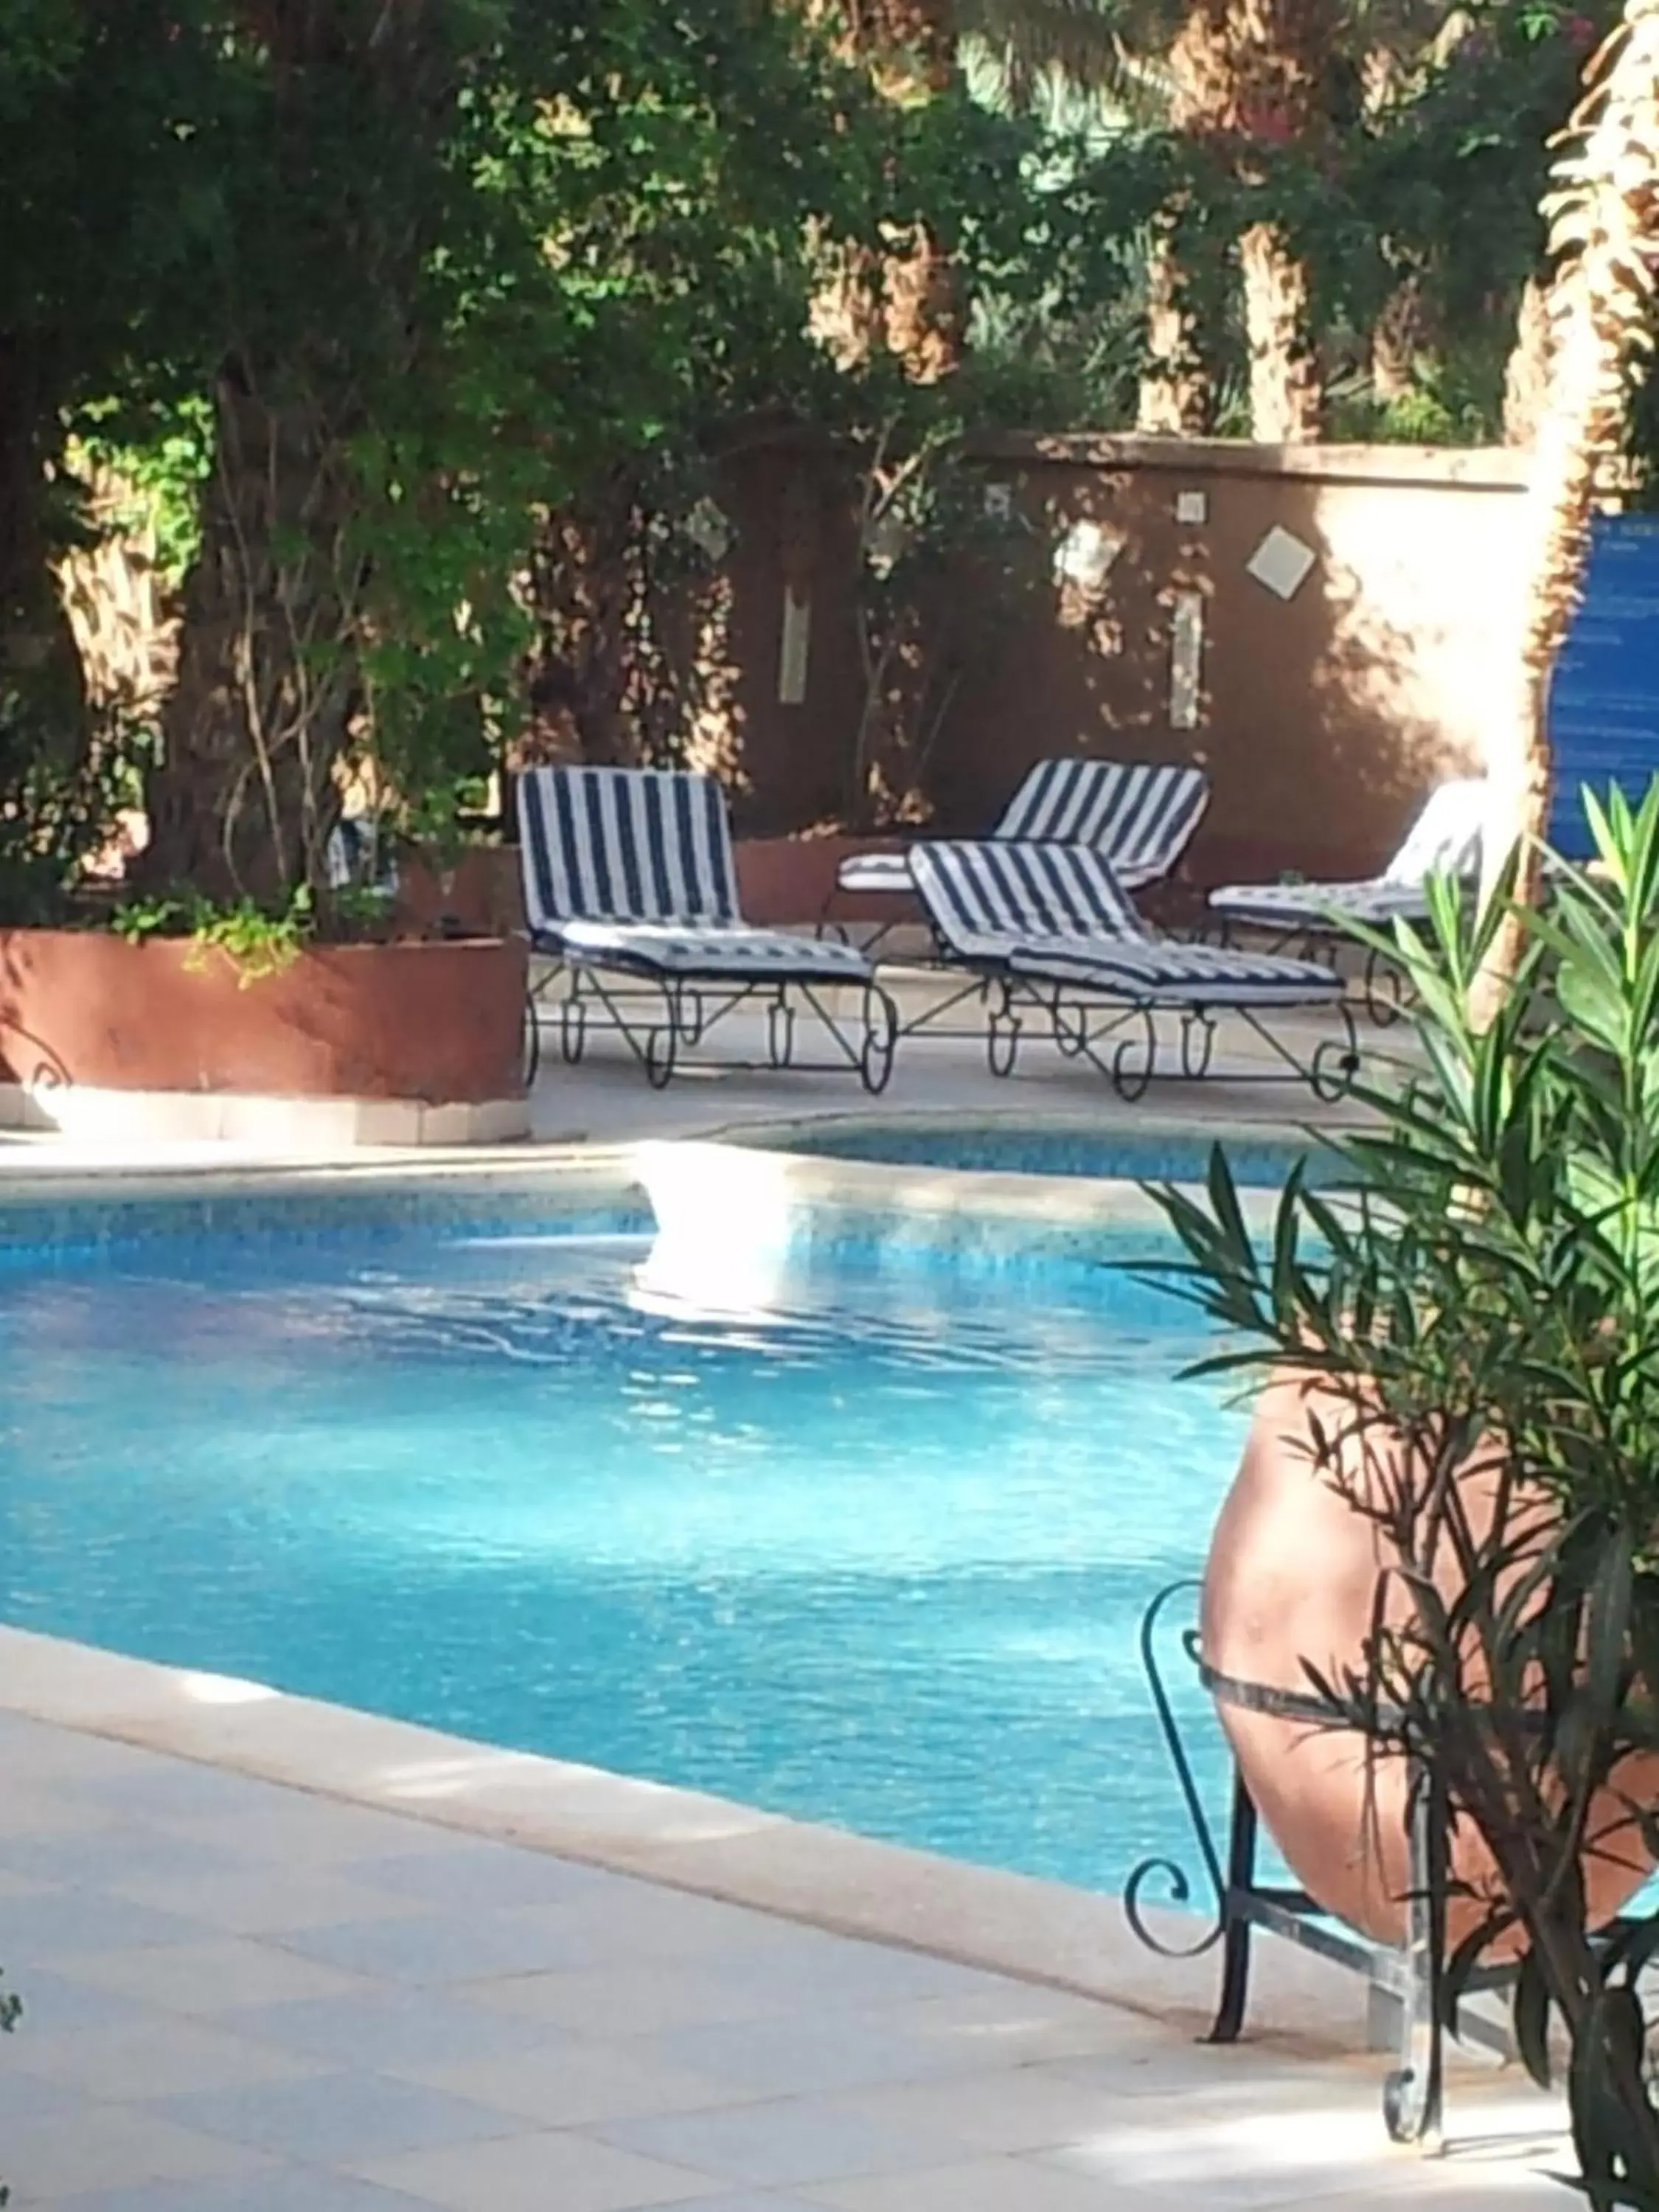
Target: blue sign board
[1604,703]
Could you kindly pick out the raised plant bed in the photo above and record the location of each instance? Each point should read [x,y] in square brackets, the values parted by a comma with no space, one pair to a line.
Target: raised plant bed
[423,1040]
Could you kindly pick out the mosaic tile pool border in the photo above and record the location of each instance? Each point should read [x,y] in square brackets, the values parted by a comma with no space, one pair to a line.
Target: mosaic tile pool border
[787,1193]
[578,1198]
[1092,1151]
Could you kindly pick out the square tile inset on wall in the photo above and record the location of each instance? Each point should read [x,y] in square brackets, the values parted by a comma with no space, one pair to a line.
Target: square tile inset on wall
[1281,562]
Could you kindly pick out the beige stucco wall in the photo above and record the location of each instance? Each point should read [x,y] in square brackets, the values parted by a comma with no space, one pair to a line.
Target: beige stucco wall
[1322,717]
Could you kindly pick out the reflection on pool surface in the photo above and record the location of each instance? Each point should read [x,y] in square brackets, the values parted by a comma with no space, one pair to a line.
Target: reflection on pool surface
[875,1556]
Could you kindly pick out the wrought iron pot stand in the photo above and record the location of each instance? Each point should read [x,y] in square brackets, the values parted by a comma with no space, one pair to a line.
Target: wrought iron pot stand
[1404,1982]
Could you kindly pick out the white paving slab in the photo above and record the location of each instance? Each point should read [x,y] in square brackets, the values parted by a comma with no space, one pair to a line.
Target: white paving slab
[407,2029]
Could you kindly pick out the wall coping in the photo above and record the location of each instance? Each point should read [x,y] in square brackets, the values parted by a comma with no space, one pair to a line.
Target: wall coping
[1471,468]
[1466,468]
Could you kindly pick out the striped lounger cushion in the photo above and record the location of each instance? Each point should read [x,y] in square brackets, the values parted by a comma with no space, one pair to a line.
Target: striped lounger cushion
[1312,905]
[1172,975]
[1445,837]
[1057,912]
[733,949]
[1141,815]
[634,867]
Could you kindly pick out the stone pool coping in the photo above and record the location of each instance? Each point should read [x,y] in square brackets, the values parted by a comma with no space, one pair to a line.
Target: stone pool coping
[1031,1930]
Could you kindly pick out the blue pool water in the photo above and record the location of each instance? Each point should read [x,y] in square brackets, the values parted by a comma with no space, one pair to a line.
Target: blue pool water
[872,1550]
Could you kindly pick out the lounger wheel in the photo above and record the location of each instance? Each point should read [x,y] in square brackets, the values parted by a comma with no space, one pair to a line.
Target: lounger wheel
[1197,1046]
[879,1042]
[533,1043]
[1002,1043]
[573,1030]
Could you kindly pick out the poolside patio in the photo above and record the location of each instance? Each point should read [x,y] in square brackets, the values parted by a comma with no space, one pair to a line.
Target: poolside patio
[606,1099]
[247,1996]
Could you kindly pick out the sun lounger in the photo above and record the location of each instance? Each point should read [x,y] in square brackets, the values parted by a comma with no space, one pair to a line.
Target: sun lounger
[1445,839]
[1140,814]
[1049,927]
[630,884]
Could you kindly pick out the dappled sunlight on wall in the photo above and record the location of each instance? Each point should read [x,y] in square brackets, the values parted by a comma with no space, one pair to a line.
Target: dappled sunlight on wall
[1322,629]
[1422,592]
[714,717]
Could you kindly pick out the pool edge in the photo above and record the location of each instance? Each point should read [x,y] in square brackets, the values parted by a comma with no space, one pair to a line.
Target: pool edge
[1029,1930]
[781,1197]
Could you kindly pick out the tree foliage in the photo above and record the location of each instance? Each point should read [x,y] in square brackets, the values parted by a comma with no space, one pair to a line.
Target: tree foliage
[387,309]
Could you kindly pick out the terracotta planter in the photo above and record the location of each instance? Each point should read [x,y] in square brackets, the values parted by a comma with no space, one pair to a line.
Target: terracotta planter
[1291,1580]
[438,1023]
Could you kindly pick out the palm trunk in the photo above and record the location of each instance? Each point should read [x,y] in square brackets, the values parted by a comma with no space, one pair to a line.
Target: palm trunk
[1392,69]
[274,612]
[1604,203]
[1401,334]
[1174,393]
[922,305]
[908,297]
[1287,396]
[1527,373]
[1248,73]
[581,586]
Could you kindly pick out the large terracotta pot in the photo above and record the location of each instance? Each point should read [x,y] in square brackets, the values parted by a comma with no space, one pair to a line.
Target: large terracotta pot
[438,1023]
[1292,1581]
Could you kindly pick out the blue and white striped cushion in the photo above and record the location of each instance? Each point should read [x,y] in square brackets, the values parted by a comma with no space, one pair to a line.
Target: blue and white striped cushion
[1055,913]
[735,952]
[1140,814]
[1445,838]
[1172,975]
[619,844]
[1308,905]
[984,897]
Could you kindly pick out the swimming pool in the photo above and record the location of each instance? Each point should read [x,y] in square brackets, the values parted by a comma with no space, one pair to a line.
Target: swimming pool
[876,1554]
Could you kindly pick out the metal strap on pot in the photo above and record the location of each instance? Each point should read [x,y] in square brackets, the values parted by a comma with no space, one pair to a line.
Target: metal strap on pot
[1282,1705]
